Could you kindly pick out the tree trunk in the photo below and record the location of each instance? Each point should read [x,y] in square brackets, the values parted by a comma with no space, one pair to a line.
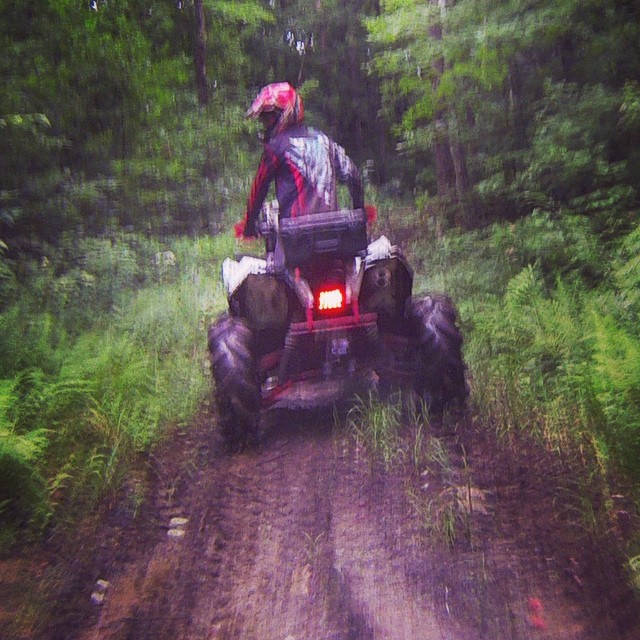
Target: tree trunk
[445,169]
[200,54]
[450,158]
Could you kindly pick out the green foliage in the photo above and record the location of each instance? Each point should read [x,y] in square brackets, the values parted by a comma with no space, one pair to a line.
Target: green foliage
[616,383]
[78,405]
[106,95]
[630,107]
[467,266]
[528,349]
[191,172]
[33,407]
[22,488]
[376,425]
[557,244]
[634,567]
[550,328]
[532,92]
[555,361]
[627,274]
[231,25]
[570,158]
[29,339]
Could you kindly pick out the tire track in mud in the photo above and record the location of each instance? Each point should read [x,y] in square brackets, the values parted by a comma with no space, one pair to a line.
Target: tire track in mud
[307,540]
[274,516]
[373,557]
[290,574]
[312,562]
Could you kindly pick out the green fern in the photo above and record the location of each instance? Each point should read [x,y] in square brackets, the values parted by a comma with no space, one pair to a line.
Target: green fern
[627,273]
[616,380]
[524,291]
[23,495]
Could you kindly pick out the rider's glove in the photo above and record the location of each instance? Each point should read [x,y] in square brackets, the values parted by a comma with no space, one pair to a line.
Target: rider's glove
[238,229]
[250,230]
[244,229]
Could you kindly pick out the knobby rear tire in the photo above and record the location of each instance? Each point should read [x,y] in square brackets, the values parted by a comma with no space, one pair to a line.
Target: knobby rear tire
[237,390]
[440,377]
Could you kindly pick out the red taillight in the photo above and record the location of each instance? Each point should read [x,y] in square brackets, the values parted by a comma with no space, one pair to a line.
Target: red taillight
[330,300]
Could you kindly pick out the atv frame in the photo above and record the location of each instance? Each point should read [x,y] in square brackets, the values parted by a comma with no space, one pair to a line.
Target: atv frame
[325,316]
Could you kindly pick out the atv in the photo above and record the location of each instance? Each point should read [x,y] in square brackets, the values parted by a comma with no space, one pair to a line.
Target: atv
[325,316]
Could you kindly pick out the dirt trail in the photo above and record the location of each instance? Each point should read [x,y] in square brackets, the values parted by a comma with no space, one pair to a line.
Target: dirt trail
[295,542]
[308,539]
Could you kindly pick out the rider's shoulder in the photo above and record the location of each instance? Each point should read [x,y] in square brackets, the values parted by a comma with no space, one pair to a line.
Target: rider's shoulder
[294,136]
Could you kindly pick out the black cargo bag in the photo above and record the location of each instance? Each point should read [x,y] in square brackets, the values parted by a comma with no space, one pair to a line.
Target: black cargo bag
[338,233]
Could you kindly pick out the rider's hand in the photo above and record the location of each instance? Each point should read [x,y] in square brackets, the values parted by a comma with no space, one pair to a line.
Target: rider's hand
[238,229]
[244,229]
[372,213]
[250,230]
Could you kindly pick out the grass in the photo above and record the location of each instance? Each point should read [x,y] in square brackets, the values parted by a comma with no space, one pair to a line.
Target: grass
[547,330]
[77,410]
[375,425]
[436,497]
[396,433]
[634,568]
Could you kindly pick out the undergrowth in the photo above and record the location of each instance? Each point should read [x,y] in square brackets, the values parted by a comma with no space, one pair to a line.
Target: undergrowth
[100,358]
[549,317]
[376,426]
[103,349]
[549,313]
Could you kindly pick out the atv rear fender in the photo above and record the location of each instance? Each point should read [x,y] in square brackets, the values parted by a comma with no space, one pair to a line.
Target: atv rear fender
[386,286]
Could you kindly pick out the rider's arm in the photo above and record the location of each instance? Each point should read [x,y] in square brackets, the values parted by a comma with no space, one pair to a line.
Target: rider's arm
[349,174]
[259,189]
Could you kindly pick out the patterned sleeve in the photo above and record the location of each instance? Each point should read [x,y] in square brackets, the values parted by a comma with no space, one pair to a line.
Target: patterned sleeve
[348,173]
[260,187]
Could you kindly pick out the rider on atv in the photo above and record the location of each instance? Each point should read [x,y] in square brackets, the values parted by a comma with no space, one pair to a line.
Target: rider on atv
[304,162]
[328,314]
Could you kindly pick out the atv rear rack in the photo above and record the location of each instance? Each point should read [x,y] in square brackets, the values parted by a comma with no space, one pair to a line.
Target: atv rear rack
[337,233]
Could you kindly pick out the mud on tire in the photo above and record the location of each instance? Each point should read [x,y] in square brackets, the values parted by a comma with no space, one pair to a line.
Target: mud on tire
[237,391]
[440,375]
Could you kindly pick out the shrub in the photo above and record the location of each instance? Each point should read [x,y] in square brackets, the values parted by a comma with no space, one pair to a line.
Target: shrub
[616,382]
[100,368]
[23,494]
[559,244]
[627,274]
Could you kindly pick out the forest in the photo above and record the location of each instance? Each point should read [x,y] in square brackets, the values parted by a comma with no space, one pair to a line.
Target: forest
[498,140]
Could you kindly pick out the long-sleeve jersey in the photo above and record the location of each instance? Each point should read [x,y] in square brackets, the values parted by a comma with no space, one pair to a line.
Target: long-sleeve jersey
[306,166]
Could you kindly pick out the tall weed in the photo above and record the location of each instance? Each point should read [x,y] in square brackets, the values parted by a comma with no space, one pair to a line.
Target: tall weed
[551,347]
[30,338]
[101,368]
[553,363]
[376,426]
[627,275]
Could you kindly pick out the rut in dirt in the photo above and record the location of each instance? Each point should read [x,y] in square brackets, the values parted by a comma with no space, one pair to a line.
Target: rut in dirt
[308,538]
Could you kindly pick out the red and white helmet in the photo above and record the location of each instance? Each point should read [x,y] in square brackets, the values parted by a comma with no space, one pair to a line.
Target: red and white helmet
[280,96]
